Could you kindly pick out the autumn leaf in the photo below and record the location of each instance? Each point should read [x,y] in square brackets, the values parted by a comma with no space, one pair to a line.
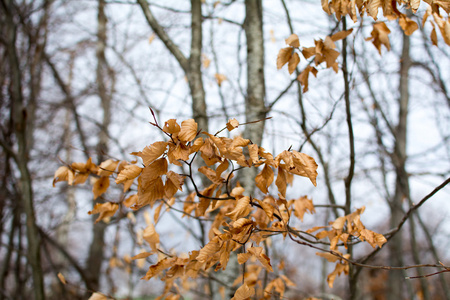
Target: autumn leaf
[107,167]
[341,35]
[130,201]
[328,256]
[150,191]
[244,292]
[154,170]
[152,152]
[241,210]
[408,25]
[209,250]
[263,259]
[100,186]
[379,36]
[62,278]
[142,255]
[174,183]
[373,8]
[98,296]
[151,236]
[129,172]
[232,124]
[264,179]
[188,130]
[281,182]
[220,78]
[105,210]
[293,41]
[63,174]
[171,126]
[284,55]
[293,63]
[302,205]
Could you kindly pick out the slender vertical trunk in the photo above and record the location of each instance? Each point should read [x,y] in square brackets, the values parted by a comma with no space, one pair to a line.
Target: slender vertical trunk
[194,73]
[255,108]
[192,65]
[96,249]
[19,114]
[396,278]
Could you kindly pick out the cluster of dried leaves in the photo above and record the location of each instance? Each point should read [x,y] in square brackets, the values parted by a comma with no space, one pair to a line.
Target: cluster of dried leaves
[240,222]
[324,50]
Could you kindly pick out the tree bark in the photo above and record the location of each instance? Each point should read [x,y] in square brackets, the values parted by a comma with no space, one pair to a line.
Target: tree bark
[255,108]
[396,278]
[192,65]
[96,249]
[21,130]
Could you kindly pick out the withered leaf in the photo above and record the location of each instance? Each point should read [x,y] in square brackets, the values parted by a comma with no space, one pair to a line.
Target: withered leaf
[129,172]
[100,186]
[152,152]
[63,174]
[341,35]
[232,124]
[188,130]
[171,126]
[107,167]
[105,210]
[151,236]
[209,250]
[241,210]
[302,205]
[293,41]
[379,36]
[264,179]
[244,292]
[284,56]
[293,62]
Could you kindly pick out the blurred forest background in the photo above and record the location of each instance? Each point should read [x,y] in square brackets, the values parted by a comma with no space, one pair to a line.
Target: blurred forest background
[77,80]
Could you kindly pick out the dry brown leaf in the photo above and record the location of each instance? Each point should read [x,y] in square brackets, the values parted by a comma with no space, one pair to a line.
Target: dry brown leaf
[328,256]
[129,172]
[373,8]
[100,186]
[105,210]
[152,152]
[98,296]
[244,292]
[281,182]
[284,55]
[380,36]
[293,41]
[293,63]
[302,205]
[408,25]
[341,35]
[264,179]
[232,124]
[220,78]
[149,191]
[241,210]
[130,201]
[62,278]
[171,126]
[188,130]
[107,167]
[63,174]
[209,250]
[151,236]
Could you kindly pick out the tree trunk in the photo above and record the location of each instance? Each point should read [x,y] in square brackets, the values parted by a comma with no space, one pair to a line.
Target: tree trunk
[396,278]
[21,130]
[255,108]
[96,250]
